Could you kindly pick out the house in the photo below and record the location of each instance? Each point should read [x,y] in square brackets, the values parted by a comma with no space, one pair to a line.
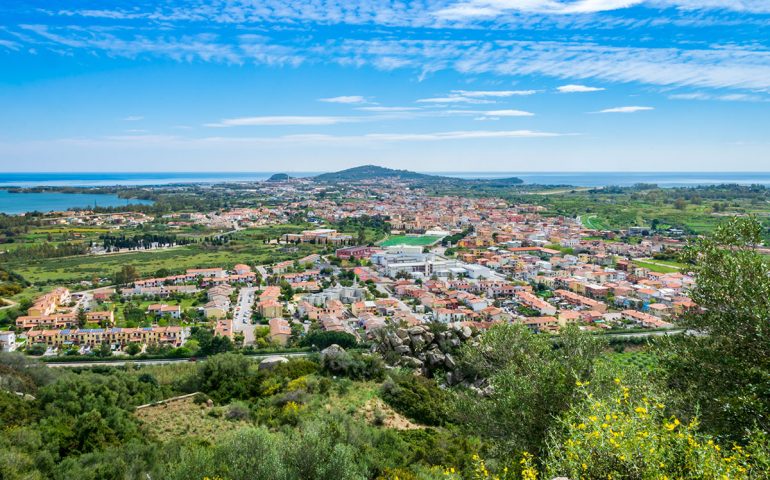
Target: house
[241,269]
[280,330]
[161,309]
[541,324]
[49,303]
[224,328]
[103,294]
[7,341]
[106,318]
[270,308]
[536,303]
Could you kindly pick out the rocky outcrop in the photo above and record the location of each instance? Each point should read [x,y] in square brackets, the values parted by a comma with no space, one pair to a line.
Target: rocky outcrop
[271,362]
[425,349]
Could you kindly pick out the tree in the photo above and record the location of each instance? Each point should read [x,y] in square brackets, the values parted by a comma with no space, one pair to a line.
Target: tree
[133,348]
[287,292]
[81,317]
[532,380]
[680,203]
[127,274]
[722,371]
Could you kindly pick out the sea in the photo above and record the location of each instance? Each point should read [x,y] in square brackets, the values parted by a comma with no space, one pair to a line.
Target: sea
[15,203]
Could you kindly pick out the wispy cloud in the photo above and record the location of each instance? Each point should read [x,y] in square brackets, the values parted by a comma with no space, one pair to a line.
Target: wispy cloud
[453,99]
[508,113]
[383,109]
[465,9]
[347,99]
[577,89]
[174,141]
[281,120]
[492,93]
[730,97]
[498,7]
[625,109]
[133,118]
[727,66]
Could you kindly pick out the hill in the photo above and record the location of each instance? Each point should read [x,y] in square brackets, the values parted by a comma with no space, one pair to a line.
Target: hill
[278,177]
[370,172]
[375,172]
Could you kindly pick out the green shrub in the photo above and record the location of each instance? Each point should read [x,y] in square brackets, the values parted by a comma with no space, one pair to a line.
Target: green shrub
[416,397]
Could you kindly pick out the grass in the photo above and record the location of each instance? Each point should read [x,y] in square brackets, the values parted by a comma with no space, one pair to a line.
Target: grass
[638,359]
[593,222]
[411,240]
[87,267]
[660,266]
[185,418]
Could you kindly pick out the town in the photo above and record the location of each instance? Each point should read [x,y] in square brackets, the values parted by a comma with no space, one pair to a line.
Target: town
[476,262]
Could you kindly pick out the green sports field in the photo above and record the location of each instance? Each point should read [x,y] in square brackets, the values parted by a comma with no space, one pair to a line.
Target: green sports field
[412,240]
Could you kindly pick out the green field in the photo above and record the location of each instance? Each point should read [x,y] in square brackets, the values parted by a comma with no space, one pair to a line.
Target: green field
[661,266]
[411,240]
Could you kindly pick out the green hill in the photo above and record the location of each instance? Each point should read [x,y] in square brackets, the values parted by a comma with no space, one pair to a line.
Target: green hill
[374,172]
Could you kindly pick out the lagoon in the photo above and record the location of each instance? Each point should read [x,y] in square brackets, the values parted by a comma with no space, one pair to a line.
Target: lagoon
[16,203]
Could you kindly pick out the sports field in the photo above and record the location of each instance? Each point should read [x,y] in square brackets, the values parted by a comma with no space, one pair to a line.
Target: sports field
[412,240]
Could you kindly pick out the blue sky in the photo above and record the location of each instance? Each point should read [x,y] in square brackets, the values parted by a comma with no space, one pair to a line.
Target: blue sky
[429,85]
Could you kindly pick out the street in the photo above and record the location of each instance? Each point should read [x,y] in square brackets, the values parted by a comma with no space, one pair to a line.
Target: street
[242,314]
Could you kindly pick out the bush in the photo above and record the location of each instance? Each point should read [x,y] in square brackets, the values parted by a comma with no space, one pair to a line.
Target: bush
[320,340]
[238,411]
[418,398]
[628,434]
[354,365]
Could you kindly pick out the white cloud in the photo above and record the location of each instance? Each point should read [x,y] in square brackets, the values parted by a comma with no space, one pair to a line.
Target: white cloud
[484,9]
[349,99]
[508,113]
[492,93]
[625,110]
[487,8]
[281,120]
[578,89]
[460,135]
[381,109]
[730,97]
[453,99]
[727,66]
[133,118]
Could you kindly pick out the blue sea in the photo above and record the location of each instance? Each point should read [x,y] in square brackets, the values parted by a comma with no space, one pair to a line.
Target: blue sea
[15,203]
[577,179]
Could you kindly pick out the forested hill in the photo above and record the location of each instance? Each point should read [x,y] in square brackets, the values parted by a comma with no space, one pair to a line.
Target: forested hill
[374,172]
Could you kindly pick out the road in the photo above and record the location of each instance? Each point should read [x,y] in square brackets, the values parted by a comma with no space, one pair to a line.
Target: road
[161,361]
[242,314]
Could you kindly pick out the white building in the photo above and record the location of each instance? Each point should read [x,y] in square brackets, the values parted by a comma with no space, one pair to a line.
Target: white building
[7,341]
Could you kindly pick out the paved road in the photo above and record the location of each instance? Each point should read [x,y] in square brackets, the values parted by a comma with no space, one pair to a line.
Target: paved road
[161,361]
[242,314]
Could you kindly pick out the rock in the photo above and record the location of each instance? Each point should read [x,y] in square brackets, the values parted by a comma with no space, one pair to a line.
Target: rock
[412,362]
[271,362]
[402,349]
[428,336]
[418,343]
[435,358]
[466,332]
[395,341]
[332,355]
[449,362]
[402,333]
[417,330]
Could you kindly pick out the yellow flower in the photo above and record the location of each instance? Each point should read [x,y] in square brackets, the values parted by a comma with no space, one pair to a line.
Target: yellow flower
[640,410]
[585,467]
[617,380]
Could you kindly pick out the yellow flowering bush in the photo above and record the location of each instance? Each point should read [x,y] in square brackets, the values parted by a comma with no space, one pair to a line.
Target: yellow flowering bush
[628,435]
